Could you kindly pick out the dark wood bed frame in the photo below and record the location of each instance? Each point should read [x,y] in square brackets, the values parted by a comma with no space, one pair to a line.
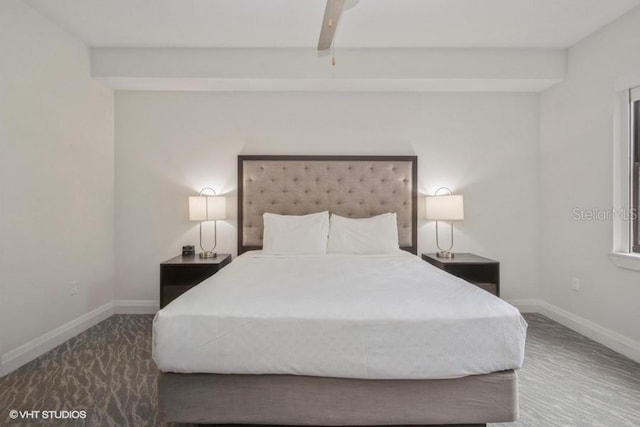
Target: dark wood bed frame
[284,399]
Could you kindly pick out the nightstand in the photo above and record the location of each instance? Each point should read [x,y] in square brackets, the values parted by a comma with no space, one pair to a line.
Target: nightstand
[482,272]
[182,273]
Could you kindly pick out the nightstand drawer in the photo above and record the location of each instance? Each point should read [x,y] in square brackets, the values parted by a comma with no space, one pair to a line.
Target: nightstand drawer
[181,276]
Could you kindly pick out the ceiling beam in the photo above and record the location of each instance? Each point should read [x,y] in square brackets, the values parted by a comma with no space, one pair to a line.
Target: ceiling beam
[300,69]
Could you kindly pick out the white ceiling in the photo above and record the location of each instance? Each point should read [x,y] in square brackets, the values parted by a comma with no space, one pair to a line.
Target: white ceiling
[296,23]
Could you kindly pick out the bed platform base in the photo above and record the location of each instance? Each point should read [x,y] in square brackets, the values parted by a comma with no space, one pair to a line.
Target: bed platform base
[318,401]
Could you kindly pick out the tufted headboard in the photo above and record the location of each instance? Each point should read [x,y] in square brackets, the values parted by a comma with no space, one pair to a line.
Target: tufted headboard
[351,186]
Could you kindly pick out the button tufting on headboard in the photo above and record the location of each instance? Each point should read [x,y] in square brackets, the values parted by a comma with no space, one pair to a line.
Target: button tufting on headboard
[350,186]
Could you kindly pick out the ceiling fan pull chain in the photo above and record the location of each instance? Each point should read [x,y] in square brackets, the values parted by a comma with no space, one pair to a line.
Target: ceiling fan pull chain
[333,53]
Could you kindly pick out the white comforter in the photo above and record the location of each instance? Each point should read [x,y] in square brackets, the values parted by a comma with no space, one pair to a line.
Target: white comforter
[348,316]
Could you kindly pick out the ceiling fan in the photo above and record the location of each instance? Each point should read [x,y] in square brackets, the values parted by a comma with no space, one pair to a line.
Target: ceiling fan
[332,13]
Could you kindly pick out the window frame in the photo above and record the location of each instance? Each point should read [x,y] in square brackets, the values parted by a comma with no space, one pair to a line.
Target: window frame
[634,167]
[622,254]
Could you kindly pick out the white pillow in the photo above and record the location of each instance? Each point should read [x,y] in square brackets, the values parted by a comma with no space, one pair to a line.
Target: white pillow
[295,234]
[375,235]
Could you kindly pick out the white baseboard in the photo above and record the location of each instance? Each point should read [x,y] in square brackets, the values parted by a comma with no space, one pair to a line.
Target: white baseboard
[136,306]
[44,343]
[589,329]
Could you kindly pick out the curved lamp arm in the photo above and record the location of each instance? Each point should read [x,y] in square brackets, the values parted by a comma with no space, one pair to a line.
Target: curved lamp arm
[447,209]
[200,210]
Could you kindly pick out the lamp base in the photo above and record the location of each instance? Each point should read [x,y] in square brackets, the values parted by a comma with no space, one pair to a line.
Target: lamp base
[208,254]
[445,254]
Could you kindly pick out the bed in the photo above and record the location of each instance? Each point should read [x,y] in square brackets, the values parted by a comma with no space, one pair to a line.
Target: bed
[335,339]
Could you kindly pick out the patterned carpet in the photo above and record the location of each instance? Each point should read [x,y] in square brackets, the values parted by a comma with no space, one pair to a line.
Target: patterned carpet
[107,371]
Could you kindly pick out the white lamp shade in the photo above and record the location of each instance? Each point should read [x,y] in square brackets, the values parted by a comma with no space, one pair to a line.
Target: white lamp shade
[447,207]
[207,208]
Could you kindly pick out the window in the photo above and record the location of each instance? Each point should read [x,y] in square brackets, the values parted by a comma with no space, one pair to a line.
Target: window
[626,183]
[634,185]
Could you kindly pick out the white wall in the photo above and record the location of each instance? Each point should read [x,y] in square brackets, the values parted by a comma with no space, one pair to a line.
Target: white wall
[576,158]
[56,172]
[171,144]
[521,175]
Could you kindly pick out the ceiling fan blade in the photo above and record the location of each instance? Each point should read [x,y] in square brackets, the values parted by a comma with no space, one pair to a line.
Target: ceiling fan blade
[331,16]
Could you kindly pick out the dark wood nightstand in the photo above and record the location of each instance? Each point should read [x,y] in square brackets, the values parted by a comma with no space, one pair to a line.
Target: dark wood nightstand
[182,273]
[482,272]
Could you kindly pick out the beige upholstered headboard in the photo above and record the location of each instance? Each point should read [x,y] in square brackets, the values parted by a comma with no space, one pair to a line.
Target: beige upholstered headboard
[351,186]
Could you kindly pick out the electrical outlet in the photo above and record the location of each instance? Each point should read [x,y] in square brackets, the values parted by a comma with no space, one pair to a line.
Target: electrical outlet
[575,284]
[74,289]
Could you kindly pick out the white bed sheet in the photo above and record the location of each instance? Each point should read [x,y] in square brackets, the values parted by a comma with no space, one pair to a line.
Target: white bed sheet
[345,316]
